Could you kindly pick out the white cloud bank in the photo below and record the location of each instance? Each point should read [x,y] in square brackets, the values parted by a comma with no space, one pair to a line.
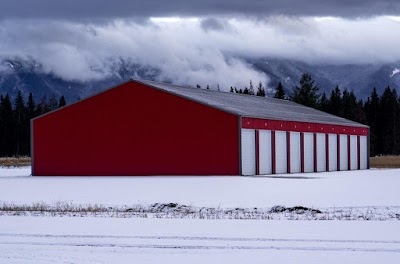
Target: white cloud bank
[198,50]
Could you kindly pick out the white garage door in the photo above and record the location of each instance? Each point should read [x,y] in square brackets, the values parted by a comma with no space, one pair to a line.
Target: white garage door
[308,152]
[265,152]
[363,153]
[353,153]
[332,152]
[321,152]
[281,152]
[295,154]
[343,153]
[248,152]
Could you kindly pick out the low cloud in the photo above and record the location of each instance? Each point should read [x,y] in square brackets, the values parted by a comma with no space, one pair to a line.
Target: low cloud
[201,51]
[210,24]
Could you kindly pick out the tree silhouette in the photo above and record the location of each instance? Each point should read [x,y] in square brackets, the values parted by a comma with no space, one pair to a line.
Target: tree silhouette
[307,93]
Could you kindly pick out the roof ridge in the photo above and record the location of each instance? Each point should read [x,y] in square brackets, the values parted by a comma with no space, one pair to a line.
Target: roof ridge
[252,105]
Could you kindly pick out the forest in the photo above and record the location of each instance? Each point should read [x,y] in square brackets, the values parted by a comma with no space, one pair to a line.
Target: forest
[15,121]
[380,112]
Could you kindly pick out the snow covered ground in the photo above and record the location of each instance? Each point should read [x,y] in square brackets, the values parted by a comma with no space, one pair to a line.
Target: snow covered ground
[116,240]
[378,187]
[64,239]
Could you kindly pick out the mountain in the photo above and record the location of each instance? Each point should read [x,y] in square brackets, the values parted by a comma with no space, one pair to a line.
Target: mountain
[359,78]
[29,76]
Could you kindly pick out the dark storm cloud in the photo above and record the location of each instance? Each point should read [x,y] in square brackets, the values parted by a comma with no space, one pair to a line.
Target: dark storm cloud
[193,42]
[214,24]
[105,9]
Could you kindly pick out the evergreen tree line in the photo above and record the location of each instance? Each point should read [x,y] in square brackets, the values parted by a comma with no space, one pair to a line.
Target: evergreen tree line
[380,112]
[260,91]
[15,121]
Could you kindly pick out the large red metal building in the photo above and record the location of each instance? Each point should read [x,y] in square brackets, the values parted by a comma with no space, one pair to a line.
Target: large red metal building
[150,128]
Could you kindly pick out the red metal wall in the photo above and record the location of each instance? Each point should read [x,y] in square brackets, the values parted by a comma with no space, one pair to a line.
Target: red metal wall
[280,125]
[134,129]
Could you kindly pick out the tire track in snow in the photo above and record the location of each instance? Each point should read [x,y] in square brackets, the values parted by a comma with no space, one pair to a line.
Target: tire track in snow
[203,247]
[198,243]
[200,238]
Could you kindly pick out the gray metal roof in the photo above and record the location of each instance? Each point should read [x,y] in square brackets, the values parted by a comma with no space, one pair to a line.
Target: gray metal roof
[253,106]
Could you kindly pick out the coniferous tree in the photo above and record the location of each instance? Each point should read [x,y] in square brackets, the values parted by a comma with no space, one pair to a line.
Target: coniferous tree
[260,90]
[231,91]
[307,93]
[371,109]
[360,115]
[246,90]
[251,88]
[349,105]
[389,110]
[30,114]
[53,103]
[381,113]
[31,107]
[7,138]
[280,92]
[335,102]
[323,103]
[20,126]
[62,101]
[42,107]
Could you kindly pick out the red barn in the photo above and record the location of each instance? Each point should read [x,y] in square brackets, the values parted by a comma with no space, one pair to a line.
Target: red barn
[150,128]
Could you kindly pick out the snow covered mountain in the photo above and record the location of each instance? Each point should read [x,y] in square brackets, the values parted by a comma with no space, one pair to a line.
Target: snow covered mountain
[29,76]
[359,78]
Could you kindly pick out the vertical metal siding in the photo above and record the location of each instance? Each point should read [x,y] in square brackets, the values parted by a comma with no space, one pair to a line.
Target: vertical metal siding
[321,152]
[248,152]
[95,137]
[343,153]
[265,150]
[281,152]
[332,152]
[363,152]
[295,152]
[353,153]
[308,152]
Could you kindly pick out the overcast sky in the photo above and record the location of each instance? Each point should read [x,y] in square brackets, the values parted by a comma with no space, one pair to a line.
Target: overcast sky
[196,41]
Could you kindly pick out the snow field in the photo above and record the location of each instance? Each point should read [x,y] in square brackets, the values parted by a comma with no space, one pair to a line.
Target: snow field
[366,188]
[113,240]
[42,238]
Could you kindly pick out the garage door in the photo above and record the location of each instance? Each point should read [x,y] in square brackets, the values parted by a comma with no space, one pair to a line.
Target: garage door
[295,154]
[321,152]
[363,152]
[332,140]
[343,153]
[308,152]
[265,152]
[353,153]
[248,152]
[281,152]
